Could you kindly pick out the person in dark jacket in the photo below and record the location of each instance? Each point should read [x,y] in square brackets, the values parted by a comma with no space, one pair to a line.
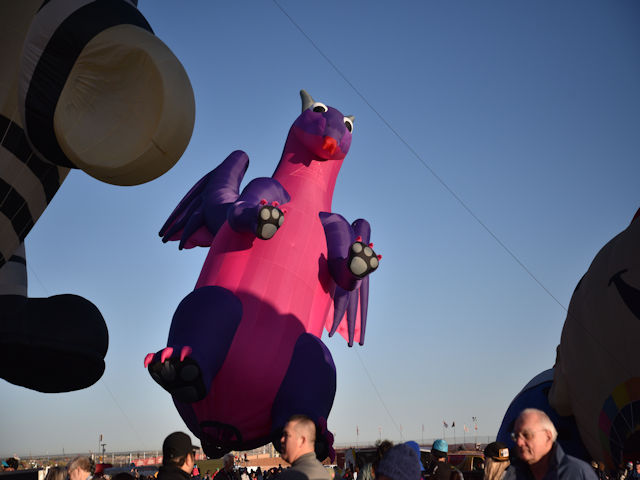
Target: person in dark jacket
[438,467]
[539,455]
[178,457]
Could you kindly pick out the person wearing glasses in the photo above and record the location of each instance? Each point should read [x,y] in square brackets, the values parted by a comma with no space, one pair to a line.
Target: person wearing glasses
[178,457]
[539,455]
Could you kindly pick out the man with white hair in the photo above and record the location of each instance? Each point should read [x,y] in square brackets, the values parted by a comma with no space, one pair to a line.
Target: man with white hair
[539,455]
[228,472]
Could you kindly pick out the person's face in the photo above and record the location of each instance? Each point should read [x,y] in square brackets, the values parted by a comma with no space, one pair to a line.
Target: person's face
[638,467]
[291,442]
[190,461]
[532,441]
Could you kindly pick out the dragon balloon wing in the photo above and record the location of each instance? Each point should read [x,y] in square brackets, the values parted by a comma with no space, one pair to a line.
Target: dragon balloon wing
[203,210]
[351,295]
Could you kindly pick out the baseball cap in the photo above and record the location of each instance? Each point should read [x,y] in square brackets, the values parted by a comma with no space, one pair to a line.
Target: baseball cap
[497,451]
[177,445]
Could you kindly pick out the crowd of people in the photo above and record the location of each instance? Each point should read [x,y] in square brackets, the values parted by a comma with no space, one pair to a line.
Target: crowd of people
[537,456]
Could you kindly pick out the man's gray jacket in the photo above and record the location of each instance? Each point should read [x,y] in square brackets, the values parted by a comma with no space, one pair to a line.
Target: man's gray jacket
[305,467]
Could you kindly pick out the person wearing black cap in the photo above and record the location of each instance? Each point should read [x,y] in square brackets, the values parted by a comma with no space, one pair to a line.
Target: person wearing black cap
[496,461]
[178,457]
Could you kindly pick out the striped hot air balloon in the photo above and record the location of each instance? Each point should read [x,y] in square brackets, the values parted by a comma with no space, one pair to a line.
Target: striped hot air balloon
[84,84]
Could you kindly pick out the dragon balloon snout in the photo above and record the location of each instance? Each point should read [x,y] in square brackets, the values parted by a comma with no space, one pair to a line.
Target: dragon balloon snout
[330,144]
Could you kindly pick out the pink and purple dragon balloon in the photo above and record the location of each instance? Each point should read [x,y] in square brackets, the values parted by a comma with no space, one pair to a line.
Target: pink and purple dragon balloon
[244,350]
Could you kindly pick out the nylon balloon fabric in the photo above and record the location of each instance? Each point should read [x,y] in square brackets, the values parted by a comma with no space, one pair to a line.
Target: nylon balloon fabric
[86,85]
[281,268]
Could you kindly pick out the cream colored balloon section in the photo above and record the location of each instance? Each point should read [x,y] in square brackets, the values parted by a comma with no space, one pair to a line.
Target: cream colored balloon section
[126,113]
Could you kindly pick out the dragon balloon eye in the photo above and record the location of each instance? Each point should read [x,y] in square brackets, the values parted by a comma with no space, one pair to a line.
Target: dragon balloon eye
[348,123]
[319,107]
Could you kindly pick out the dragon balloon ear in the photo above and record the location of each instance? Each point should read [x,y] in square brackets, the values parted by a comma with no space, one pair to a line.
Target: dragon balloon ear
[307,100]
[352,118]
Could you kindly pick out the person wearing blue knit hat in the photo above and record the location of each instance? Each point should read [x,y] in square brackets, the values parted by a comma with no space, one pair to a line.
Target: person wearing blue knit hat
[400,463]
[416,448]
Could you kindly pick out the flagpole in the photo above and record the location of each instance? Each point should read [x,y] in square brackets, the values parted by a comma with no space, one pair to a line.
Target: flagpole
[453,425]
[475,427]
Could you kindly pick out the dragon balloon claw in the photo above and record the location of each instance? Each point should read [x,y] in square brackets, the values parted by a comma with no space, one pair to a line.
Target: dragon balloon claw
[166,353]
[185,352]
[148,359]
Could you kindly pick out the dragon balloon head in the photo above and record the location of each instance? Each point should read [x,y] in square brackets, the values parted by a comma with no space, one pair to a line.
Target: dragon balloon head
[323,130]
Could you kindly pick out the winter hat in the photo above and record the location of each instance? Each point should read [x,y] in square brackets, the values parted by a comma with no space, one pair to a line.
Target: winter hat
[416,448]
[440,448]
[400,463]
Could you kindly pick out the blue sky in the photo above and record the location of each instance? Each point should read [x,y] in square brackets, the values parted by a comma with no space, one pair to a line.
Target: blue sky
[526,111]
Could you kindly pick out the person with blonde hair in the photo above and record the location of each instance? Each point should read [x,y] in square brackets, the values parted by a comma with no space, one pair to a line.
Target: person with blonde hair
[496,461]
[56,473]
